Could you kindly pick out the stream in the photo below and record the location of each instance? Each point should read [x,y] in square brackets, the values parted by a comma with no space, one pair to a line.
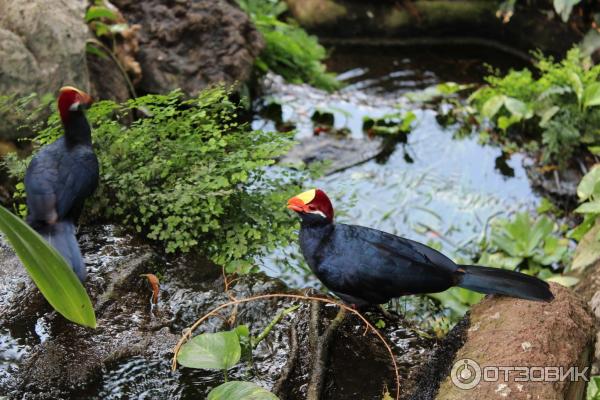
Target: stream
[435,188]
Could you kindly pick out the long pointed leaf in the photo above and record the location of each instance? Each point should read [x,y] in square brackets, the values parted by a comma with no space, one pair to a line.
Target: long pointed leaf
[48,270]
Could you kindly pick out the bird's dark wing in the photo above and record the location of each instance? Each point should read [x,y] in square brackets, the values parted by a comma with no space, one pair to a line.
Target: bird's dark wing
[58,180]
[79,176]
[376,266]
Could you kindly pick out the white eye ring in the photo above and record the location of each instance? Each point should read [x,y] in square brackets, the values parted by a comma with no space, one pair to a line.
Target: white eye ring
[318,212]
[74,106]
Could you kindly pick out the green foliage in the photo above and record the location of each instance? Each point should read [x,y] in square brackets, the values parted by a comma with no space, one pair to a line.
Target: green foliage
[558,111]
[458,301]
[593,388]
[289,50]
[189,174]
[525,243]
[239,390]
[49,271]
[588,232]
[223,350]
[395,124]
[219,351]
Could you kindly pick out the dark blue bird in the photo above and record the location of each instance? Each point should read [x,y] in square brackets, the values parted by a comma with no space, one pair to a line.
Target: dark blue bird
[61,176]
[365,266]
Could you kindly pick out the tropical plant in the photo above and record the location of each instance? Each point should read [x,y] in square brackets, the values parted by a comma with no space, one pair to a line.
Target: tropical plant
[557,112]
[222,351]
[48,270]
[289,50]
[188,174]
[587,232]
[531,245]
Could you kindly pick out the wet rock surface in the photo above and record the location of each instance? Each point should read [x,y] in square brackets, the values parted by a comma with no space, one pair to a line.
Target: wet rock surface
[191,44]
[128,355]
[520,333]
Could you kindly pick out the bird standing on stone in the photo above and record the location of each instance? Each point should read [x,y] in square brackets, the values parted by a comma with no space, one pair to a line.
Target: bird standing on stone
[61,176]
[364,266]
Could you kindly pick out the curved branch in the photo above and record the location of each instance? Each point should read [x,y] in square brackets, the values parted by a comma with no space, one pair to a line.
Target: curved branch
[188,332]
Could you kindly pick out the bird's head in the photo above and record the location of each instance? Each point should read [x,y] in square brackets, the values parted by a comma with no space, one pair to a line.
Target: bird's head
[71,100]
[313,206]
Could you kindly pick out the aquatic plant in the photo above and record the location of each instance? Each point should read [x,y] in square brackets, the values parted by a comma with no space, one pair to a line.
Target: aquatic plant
[289,50]
[555,114]
[188,174]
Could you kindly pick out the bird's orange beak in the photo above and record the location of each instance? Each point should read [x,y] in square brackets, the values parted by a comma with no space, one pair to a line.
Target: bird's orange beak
[296,204]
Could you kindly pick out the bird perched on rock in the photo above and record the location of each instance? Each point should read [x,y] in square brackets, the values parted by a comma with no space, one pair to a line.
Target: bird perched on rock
[364,266]
[61,176]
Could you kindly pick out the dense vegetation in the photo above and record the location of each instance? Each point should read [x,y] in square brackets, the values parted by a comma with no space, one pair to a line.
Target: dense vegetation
[187,173]
[289,50]
[553,111]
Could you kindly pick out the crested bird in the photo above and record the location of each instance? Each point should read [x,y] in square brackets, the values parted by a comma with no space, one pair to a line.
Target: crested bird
[61,176]
[365,266]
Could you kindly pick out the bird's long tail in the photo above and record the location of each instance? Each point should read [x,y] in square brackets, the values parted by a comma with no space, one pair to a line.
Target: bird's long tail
[61,235]
[501,281]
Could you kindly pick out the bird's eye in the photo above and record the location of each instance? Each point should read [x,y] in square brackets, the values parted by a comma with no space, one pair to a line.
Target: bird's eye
[311,207]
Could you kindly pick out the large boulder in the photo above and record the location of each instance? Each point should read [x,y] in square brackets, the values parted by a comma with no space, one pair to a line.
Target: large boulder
[42,47]
[505,332]
[191,44]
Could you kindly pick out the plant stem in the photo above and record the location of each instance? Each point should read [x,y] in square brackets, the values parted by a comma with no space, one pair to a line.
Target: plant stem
[225,377]
[272,324]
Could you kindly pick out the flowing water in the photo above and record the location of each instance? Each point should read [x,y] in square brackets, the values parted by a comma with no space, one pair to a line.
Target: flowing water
[436,188]
[433,188]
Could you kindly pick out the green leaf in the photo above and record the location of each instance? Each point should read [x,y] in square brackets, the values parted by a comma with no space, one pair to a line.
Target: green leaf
[49,271]
[95,50]
[588,183]
[592,207]
[564,280]
[588,249]
[492,106]
[517,108]
[547,114]
[576,85]
[238,390]
[97,12]
[564,8]
[591,95]
[219,351]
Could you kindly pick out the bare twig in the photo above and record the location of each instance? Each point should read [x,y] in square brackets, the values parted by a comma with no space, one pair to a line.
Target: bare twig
[187,334]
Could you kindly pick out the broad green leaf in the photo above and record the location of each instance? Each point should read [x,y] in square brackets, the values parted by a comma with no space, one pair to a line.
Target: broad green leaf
[48,270]
[593,388]
[588,183]
[564,8]
[499,260]
[547,114]
[492,106]
[595,150]
[219,351]
[97,12]
[588,249]
[563,280]
[592,207]
[591,96]
[542,228]
[238,390]
[517,108]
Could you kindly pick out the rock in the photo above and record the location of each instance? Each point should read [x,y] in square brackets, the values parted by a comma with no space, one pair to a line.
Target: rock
[340,153]
[507,332]
[128,355]
[192,44]
[439,19]
[42,47]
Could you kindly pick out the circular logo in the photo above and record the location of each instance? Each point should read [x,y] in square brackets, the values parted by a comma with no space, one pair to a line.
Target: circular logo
[465,374]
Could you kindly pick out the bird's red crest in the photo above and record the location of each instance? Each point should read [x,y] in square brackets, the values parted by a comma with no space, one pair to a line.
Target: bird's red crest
[68,96]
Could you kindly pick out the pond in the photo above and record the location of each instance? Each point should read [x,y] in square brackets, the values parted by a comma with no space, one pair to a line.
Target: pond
[436,188]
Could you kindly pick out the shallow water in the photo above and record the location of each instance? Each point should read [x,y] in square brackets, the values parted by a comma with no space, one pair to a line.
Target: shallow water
[435,188]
